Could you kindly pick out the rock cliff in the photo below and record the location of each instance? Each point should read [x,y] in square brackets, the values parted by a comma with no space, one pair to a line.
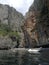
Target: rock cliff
[36,25]
[10,27]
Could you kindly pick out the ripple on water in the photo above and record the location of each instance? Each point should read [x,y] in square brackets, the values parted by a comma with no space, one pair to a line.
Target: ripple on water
[8,57]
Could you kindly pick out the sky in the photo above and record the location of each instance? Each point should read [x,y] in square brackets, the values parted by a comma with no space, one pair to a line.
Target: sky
[20,5]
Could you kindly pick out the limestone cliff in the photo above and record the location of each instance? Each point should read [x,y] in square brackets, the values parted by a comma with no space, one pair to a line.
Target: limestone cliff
[36,25]
[9,16]
[10,27]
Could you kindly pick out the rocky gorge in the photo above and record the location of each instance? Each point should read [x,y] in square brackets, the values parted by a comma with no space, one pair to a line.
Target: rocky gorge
[18,31]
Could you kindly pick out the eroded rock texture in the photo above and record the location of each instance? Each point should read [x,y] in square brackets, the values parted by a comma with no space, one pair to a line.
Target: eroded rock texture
[10,27]
[36,27]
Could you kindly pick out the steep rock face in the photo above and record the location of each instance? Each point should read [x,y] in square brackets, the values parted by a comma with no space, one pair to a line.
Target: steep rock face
[11,17]
[43,21]
[37,23]
[30,32]
[10,27]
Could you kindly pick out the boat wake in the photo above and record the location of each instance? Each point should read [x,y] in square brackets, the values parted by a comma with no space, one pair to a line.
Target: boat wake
[35,50]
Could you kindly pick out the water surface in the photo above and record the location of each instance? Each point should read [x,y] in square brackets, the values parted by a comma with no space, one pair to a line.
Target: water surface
[24,58]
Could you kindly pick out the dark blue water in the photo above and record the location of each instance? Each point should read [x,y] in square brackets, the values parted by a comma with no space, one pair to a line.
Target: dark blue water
[24,58]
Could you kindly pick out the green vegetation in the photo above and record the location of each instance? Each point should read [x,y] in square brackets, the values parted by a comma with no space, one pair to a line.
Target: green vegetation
[13,33]
[5,30]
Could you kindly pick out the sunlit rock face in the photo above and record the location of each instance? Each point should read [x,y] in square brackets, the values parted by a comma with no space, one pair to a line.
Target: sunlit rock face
[30,31]
[37,23]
